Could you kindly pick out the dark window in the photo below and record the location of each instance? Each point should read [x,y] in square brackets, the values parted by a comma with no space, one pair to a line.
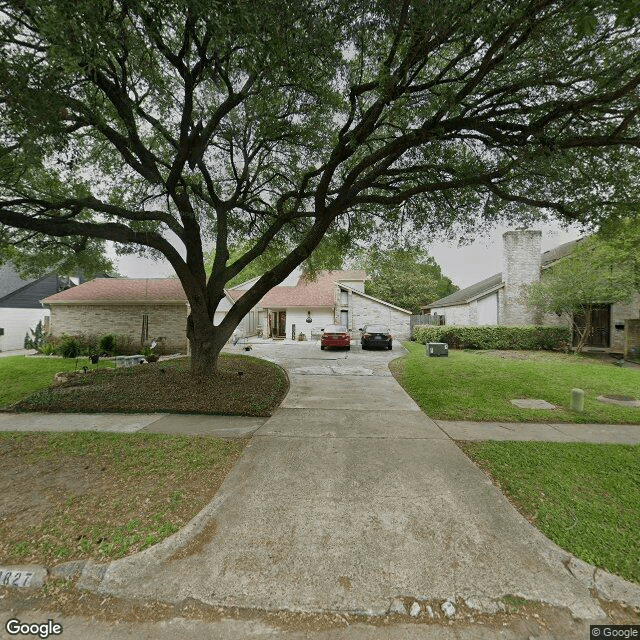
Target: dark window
[145,328]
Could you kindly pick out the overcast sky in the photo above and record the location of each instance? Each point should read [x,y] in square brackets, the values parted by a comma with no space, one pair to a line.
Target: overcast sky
[464,265]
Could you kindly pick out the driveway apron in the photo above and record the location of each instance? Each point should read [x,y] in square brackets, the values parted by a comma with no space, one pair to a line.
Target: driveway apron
[347,498]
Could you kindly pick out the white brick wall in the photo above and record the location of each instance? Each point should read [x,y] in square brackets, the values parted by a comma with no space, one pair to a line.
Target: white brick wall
[367,311]
[520,266]
[456,315]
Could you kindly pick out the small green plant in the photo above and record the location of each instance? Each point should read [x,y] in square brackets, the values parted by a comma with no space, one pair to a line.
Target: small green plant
[108,343]
[70,347]
[48,349]
[36,339]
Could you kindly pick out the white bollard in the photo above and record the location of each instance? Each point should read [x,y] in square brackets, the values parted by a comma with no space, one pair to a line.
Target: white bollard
[577,400]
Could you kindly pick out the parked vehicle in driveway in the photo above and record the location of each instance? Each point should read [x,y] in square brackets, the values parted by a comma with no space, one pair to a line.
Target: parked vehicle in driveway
[376,335]
[335,335]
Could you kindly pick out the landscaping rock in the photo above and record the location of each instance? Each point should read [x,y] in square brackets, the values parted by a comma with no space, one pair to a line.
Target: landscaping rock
[414,612]
[397,606]
[60,378]
[429,611]
[621,401]
[448,609]
[484,605]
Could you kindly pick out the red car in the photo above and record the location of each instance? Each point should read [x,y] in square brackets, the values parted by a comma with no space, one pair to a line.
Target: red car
[335,335]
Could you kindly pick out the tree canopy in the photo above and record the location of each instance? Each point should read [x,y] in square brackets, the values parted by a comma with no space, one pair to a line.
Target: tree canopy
[407,277]
[595,272]
[169,125]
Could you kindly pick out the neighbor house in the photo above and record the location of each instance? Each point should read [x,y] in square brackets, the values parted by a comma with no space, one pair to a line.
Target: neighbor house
[20,307]
[147,309]
[306,306]
[501,299]
[144,309]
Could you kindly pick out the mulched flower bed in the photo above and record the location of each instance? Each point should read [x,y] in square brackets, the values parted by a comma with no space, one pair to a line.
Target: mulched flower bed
[241,385]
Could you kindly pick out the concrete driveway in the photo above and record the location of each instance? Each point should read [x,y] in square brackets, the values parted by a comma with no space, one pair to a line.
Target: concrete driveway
[350,499]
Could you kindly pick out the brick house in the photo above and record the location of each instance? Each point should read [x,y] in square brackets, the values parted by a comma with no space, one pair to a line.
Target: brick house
[150,308]
[20,307]
[501,299]
[333,297]
[143,309]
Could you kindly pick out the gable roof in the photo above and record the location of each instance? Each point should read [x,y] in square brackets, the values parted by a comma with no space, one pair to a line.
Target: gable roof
[493,283]
[122,290]
[306,293]
[368,297]
[310,293]
[10,280]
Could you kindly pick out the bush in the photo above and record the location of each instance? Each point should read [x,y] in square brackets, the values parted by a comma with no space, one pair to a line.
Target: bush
[126,347]
[70,347]
[109,343]
[48,348]
[36,339]
[531,337]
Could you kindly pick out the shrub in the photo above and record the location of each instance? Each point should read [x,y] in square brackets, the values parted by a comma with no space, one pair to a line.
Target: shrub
[48,348]
[531,337]
[109,343]
[69,347]
[125,346]
[36,339]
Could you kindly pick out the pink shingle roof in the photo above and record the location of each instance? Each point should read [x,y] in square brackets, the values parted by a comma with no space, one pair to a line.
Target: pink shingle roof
[315,293]
[122,290]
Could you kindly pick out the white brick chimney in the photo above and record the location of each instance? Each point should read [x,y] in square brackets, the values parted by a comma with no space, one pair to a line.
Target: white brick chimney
[521,262]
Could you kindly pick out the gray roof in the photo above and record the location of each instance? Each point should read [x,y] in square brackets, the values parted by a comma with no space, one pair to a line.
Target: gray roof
[484,287]
[10,279]
[469,293]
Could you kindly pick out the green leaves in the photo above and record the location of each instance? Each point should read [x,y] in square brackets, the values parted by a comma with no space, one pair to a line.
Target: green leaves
[595,272]
[407,277]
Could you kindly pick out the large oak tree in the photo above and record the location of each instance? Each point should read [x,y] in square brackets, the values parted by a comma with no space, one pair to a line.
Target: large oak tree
[169,125]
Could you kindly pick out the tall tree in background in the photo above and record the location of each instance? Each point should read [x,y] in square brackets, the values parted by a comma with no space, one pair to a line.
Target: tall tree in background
[594,273]
[163,125]
[407,277]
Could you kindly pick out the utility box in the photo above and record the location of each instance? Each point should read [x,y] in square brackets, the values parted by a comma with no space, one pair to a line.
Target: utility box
[437,349]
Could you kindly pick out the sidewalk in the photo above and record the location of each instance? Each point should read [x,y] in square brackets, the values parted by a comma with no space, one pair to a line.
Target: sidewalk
[240,426]
[549,432]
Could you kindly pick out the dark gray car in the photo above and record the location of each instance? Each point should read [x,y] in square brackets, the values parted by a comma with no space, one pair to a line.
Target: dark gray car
[376,335]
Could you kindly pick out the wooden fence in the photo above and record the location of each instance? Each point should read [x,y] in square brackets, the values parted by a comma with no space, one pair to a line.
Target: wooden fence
[425,318]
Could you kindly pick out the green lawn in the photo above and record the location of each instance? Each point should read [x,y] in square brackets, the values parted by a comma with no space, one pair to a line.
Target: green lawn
[478,385]
[585,497]
[21,376]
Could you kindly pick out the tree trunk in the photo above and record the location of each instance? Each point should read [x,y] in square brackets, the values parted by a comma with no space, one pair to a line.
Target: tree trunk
[583,332]
[206,342]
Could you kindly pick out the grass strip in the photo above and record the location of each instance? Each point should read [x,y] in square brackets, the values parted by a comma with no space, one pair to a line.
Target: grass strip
[584,497]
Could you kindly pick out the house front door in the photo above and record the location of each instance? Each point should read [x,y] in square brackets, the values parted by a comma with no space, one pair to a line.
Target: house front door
[600,326]
[279,324]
